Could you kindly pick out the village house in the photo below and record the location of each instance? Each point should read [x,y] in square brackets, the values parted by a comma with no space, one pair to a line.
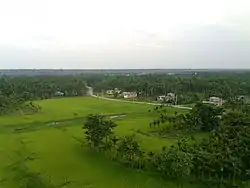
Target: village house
[166,98]
[214,100]
[112,91]
[129,95]
[59,93]
[116,90]
[161,98]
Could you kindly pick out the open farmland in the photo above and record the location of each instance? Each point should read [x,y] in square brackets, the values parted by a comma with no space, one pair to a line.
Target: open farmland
[43,150]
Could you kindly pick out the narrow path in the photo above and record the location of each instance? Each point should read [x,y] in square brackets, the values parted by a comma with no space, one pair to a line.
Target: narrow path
[91,93]
[137,102]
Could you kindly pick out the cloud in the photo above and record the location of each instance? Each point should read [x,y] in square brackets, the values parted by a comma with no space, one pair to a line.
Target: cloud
[124,34]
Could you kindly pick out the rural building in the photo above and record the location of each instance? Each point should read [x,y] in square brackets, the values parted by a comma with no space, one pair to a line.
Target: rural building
[171,96]
[112,91]
[116,90]
[214,100]
[166,98]
[59,93]
[129,95]
[161,98]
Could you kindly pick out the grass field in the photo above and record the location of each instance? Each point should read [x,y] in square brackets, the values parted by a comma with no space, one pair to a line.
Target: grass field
[42,149]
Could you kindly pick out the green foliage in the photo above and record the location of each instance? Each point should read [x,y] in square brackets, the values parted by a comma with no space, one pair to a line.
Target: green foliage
[224,155]
[61,156]
[14,91]
[189,88]
[222,159]
[129,152]
[190,98]
[173,162]
[96,129]
[19,172]
[236,119]
[203,117]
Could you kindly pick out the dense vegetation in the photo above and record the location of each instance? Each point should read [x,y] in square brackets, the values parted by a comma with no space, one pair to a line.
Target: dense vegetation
[189,88]
[16,90]
[219,160]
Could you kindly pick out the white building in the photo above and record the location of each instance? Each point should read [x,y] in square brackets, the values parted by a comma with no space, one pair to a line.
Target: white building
[59,93]
[166,98]
[110,92]
[214,100]
[129,95]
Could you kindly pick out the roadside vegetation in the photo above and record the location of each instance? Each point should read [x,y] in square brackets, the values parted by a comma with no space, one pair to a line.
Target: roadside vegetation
[189,89]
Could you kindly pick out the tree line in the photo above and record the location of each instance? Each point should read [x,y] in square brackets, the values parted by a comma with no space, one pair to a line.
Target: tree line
[14,91]
[189,88]
[219,160]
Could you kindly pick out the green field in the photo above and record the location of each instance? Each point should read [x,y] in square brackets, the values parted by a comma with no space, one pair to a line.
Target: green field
[51,136]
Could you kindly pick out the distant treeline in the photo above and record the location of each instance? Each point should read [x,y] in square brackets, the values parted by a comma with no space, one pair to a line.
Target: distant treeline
[63,72]
[187,87]
[16,90]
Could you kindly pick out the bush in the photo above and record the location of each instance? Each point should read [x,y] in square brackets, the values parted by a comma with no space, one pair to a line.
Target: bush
[173,162]
[97,128]
[130,153]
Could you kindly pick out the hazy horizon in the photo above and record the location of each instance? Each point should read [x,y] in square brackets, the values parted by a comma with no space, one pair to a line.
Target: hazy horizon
[119,34]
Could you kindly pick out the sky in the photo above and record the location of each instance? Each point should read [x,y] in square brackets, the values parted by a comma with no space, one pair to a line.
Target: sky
[94,34]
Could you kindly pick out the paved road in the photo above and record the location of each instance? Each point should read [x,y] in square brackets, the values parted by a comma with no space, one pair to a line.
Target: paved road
[137,102]
[90,93]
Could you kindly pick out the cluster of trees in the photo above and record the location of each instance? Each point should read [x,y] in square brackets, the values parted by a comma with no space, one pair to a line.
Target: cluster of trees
[189,88]
[222,158]
[238,104]
[219,159]
[14,91]
[202,117]
[97,128]
[99,135]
